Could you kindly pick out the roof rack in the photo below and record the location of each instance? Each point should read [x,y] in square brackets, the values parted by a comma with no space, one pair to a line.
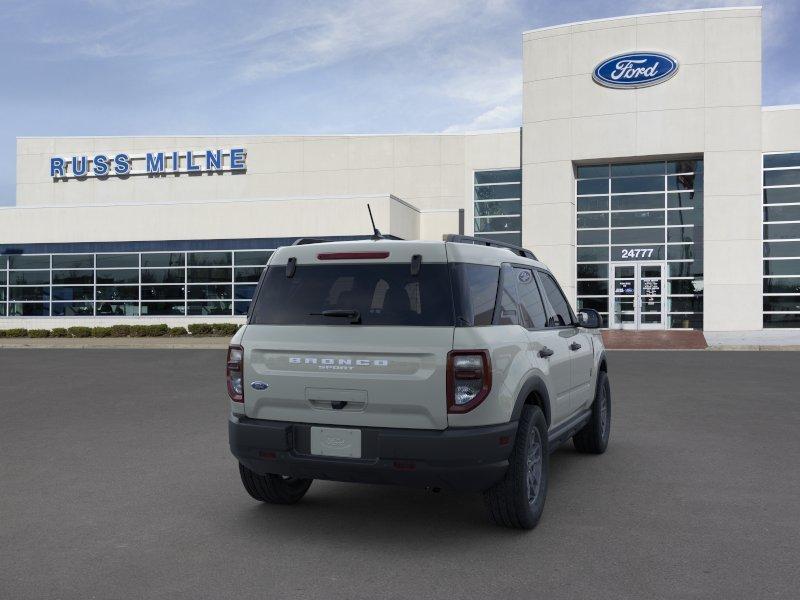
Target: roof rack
[309,240]
[479,241]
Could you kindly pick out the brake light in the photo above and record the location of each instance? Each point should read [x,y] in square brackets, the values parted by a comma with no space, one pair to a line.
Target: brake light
[469,379]
[234,373]
[351,255]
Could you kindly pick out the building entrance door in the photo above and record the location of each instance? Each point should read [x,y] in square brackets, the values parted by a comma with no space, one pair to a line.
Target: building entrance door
[637,295]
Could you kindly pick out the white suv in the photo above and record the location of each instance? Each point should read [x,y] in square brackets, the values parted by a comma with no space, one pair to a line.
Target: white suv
[455,364]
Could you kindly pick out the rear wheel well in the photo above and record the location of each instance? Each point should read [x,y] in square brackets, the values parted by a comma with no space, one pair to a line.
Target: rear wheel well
[535,399]
[603,366]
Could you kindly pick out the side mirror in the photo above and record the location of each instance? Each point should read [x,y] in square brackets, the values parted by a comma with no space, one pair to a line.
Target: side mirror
[590,319]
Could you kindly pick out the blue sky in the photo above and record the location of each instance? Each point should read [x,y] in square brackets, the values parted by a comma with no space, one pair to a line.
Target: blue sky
[149,67]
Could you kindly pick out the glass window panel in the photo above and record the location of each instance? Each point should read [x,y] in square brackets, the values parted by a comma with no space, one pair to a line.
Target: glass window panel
[598,304]
[694,304]
[241,307]
[680,234]
[29,293]
[117,309]
[686,321]
[3,262]
[2,309]
[562,314]
[782,267]
[2,294]
[684,199]
[637,236]
[684,217]
[637,219]
[2,277]
[209,259]
[73,261]
[637,202]
[587,171]
[72,309]
[508,238]
[774,321]
[163,276]
[787,177]
[684,166]
[244,292]
[247,273]
[782,303]
[251,257]
[498,224]
[163,259]
[209,292]
[506,207]
[684,251]
[597,203]
[24,261]
[592,186]
[209,275]
[649,168]
[114,261]
[639,252]
[593,288]
[531,304]
[117,276]
[782,213]
[624,185]
[494,192]
[592,271]
[685,286]
[84,292]
[592,220]
[162,308]
[117,292]
[782,231]
[28,309]
[789,159]
[592,236]
[209,308]
[780,249]
[592,254]
[782,285]
[29,277]
[681,269]
[162,292]
[73,277]
[782,195]
[684,182]
[498,176]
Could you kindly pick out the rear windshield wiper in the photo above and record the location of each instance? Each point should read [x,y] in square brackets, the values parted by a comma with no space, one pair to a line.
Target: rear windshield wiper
[353,315]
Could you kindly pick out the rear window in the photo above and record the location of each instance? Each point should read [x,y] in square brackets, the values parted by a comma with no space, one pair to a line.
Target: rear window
[383,294]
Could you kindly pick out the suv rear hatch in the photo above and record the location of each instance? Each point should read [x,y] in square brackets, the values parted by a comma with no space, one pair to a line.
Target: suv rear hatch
[351,333]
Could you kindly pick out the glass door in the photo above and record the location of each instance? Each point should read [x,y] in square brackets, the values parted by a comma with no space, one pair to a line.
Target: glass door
[637,295]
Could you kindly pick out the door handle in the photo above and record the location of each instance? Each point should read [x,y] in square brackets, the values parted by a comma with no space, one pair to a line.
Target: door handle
[574,346]
[545,352]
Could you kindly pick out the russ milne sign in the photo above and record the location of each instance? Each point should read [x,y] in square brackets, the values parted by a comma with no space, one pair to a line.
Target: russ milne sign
[635,70]
[122,164]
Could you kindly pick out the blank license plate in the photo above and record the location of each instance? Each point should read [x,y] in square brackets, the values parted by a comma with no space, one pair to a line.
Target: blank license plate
[332,441]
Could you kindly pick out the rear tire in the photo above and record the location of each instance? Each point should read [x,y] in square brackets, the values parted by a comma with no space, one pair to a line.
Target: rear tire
[518,500]
[593,438]
[273,489]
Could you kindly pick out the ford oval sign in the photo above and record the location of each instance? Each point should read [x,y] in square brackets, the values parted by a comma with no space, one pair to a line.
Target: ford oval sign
[635,70]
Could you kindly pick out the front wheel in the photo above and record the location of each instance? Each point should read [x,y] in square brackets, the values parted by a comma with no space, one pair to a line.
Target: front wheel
[593,438]
[273,489]
[518,500]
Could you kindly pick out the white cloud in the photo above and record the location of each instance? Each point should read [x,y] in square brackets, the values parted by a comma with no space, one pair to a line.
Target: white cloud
[497,117]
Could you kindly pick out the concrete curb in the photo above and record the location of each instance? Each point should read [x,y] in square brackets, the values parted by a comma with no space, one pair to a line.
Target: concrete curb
[200,343]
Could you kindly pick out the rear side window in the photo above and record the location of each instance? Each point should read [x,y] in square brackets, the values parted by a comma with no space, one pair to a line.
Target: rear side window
[474,293]
[530,300]
[383,294]
[562,313]
[507,313]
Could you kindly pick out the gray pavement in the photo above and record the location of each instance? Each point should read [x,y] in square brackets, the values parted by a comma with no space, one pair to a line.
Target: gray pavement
[116,482]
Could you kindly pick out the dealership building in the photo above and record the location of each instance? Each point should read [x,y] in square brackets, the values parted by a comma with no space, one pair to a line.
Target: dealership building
[646,174]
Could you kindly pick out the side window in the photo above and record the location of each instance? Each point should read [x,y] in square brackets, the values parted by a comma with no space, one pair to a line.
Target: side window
[474,293]
[562,314]
[506,311]
[530,300]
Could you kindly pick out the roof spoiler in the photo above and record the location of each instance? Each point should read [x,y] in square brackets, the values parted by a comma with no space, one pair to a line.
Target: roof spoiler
[309,240]
[479,241]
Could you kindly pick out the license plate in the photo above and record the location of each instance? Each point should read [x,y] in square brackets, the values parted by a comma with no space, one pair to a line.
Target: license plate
[332,441]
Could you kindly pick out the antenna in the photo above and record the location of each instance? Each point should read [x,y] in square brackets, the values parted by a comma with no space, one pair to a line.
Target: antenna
[376,234]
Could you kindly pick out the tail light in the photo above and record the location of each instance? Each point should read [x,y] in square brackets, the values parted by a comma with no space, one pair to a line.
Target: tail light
[469,379]
[234,373]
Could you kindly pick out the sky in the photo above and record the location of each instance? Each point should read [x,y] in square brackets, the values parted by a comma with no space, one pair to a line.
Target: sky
[205,67]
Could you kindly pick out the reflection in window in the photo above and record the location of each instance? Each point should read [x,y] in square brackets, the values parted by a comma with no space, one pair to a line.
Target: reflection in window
[498,205]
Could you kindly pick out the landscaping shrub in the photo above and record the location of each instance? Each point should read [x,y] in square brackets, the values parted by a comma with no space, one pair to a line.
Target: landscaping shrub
[201,329]
[177,331]
[16,332]
[101,332]
[157,330]
[59,332]
[120,330]
[224,329]
[38,333]
[2,333]
[80,332]
[138,330]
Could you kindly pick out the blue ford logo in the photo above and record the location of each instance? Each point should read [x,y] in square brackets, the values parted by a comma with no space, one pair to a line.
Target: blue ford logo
[259,385]
[635,70]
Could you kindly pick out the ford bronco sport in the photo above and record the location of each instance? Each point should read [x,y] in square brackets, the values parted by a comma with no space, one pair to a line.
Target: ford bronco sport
[455,364]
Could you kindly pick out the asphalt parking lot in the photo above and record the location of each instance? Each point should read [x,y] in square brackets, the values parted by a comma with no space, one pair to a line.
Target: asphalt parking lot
[116,482]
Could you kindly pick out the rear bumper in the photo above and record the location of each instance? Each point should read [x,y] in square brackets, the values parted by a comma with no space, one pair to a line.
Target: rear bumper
[469,459]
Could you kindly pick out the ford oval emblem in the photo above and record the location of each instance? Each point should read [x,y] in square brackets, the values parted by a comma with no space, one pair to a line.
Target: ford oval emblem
[635,70]
[259,385]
